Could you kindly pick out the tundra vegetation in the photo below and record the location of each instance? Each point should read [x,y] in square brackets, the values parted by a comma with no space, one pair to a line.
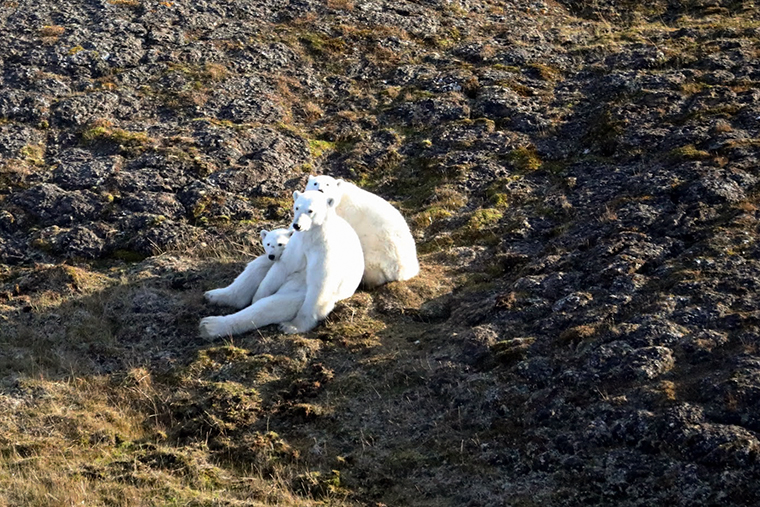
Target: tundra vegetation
[581,178]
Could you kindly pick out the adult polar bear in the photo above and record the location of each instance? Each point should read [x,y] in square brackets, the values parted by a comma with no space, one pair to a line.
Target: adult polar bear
[322,264]
[334,260]
[280,306]
[389,250]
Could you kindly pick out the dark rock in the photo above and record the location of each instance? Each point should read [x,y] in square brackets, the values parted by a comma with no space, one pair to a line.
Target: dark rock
[78,169]
[49,205]
[650,362]
[536,370]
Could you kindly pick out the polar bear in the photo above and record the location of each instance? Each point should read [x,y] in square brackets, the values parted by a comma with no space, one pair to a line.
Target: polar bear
[334,259]
[281,304]
[389,250]
[241,291]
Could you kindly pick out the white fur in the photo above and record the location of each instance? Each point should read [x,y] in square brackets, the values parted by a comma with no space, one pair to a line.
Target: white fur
[241,291]
[389,250]
[334,260]
[281,304]
[292,261]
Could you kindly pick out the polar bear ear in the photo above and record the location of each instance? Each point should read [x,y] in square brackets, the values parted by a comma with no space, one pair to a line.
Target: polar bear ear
[296,195]
[330,202]
[291,232]
[263,234]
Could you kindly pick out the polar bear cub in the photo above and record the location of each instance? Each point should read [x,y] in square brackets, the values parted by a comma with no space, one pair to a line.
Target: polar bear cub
[389,250]
[334,259]
[287,279]
[242,289]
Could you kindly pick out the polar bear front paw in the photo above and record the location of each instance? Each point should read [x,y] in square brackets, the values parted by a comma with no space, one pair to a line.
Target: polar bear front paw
[297,326]
[226,298]
[216,297]
[288,328]
[214,327]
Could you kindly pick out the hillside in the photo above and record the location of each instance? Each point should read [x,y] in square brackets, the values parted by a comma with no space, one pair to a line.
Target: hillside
[581,178]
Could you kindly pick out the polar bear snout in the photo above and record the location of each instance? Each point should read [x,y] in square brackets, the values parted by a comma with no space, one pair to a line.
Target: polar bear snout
[271,257]
[303,222]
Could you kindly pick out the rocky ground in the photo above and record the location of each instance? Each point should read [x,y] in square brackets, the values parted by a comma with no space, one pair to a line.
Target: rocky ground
[582,181]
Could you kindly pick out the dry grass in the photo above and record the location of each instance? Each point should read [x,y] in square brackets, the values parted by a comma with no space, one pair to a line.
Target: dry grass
[138,435]
[132,4]
[346,5]
[109,397]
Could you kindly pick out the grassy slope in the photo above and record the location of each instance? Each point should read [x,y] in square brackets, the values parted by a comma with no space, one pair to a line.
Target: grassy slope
[110,398]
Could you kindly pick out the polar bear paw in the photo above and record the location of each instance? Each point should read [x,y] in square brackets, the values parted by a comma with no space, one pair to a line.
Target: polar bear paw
[224,297]
[289,328]
[217,297]
[214,327]
[297,326]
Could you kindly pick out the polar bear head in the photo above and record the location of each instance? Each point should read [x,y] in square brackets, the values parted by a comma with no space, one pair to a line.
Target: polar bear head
[311,208]
[327,185]
[274,242]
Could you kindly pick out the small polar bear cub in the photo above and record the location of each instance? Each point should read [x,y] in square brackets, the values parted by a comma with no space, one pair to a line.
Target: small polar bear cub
[334,260]
[285,276]
[389,250]
[240,293]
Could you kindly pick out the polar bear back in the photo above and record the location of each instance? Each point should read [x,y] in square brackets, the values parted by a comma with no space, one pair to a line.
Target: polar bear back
[389,249]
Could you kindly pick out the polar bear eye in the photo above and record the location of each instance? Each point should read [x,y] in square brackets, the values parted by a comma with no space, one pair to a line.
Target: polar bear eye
[269,244]
[279,244]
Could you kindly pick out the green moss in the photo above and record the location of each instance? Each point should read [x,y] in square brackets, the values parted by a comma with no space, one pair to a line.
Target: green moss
[130,138]
[157,220]
[105,133]
[275,207]
[525,159]
[321,44]
[445,200]
[319,147]
[430,215]
[445,39]
[481,228]
[318,485]
[545,72]
[689,152]
[34,154]
[497,193]
[483,218]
